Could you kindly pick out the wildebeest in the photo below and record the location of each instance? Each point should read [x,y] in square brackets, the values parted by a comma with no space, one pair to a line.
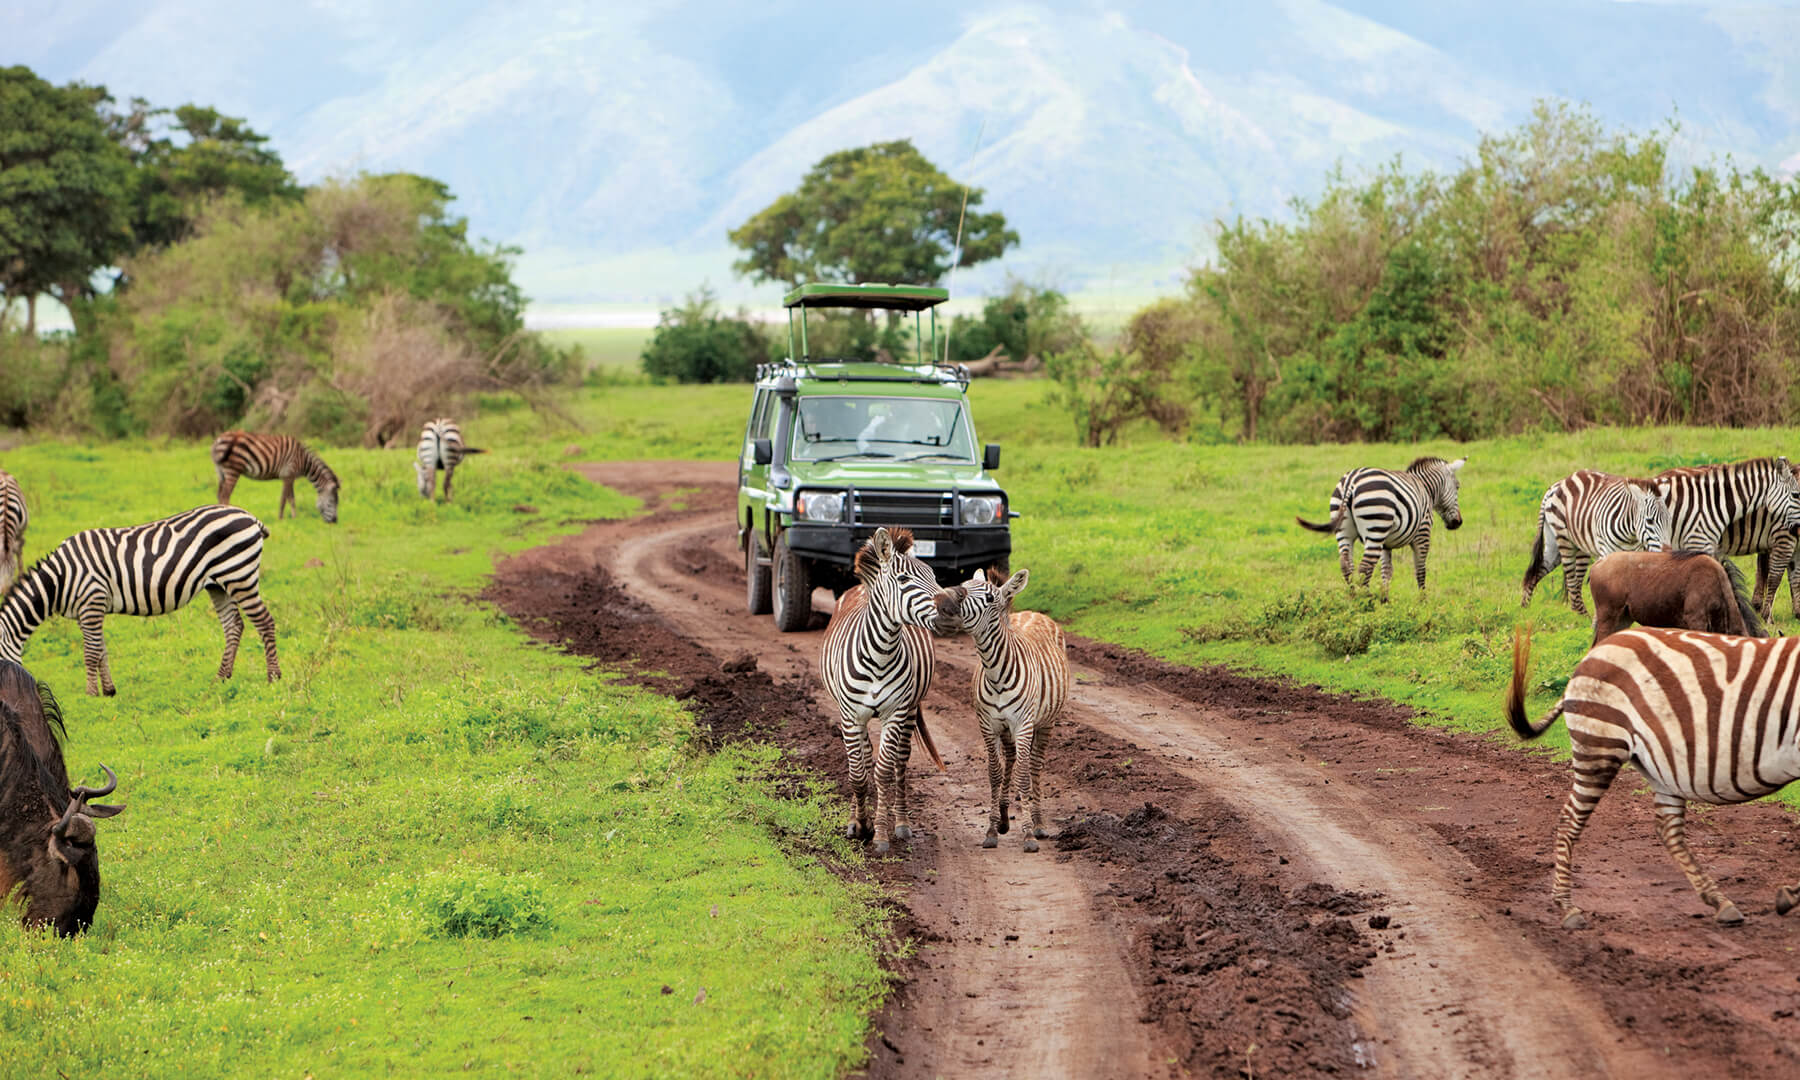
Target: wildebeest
[46,829]
[1681,590]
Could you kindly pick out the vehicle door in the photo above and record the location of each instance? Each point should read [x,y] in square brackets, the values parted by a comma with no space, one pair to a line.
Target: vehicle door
[753,479]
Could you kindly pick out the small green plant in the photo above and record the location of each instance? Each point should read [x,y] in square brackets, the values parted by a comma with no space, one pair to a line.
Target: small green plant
[480,902]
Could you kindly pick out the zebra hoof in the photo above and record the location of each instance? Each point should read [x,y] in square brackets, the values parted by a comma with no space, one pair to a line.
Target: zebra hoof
[111,691]
[1005,826]
[1728,914]
[1030,844]
[990,841]
[1041,834]
[858,831]
[1574,920]
[902,832]
[1785,899]
[881,847]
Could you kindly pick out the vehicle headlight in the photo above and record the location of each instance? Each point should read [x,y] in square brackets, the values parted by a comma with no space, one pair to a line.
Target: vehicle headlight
[983,509]
[819,506]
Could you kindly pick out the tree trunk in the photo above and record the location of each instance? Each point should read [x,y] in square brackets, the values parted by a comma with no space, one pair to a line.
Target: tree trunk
[31,314]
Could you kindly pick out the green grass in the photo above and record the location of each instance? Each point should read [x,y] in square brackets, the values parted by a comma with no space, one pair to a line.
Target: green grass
[1191,551]
[610,349]
[433,846]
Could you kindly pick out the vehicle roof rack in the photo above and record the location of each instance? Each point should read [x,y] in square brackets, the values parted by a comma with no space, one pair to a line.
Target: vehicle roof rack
[819,294]
[859,371]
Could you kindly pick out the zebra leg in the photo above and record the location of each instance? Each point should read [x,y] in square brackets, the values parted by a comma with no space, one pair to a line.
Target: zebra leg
[1028,808]
[902,755]
[227,481]
[1421,547]
[449,472]
[1370,556]
[91,619]
[1671,825]
[251,604]
[1575,568]
[997,823]
[287,499]
[233,624]
[1387,572]
[889,761]
[854,728]
[1765,589]
[1594,773]
[1344,559]
[1040,744]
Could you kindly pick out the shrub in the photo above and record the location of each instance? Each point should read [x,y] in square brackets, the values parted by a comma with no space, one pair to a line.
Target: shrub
[478,902]
[695,343]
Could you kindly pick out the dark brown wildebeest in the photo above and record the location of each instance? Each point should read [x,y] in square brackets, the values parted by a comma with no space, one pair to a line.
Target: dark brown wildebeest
[46,829]
[1680,590]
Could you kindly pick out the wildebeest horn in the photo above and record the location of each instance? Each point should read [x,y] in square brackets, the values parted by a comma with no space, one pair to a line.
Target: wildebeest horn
[79,797]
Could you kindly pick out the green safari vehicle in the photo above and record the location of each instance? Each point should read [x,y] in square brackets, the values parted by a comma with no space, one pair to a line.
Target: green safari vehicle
[837,447]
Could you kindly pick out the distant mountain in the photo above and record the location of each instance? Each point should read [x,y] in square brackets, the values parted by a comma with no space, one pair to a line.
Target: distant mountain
[618,145]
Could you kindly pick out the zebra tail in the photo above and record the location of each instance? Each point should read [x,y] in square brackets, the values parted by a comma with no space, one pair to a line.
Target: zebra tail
[473,450]
[1537,552]
[1329,526]
[924,737]
[1740,591]
[1515,691]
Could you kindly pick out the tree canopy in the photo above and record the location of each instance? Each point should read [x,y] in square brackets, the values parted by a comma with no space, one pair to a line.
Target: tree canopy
[187,155]
[881,213]
[63,186]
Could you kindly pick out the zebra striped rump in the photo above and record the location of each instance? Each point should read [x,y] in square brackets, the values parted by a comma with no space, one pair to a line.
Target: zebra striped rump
[876,662]
[1704,717]
[1388,510]
[441,449]
[14,518]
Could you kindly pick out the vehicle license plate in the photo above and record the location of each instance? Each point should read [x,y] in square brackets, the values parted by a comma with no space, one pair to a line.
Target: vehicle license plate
[925,549]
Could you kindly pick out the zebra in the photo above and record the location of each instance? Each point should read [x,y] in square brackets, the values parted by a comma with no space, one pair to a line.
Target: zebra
[1587,516]
[440,447]
[1706,501]
[150,569]
[274,457]
[876,662]
[1020,689]
[1388,510]
[13,520]
[1704,717]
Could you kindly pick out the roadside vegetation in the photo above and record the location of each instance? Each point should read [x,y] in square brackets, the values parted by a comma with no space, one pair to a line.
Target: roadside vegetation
[433,846]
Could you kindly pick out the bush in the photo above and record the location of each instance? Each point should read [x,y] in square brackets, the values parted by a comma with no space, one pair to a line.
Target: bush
[695,343]
[477,902]
[1024,322]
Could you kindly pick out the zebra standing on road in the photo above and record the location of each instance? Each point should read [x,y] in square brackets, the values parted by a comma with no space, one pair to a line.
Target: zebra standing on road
[150,569]
[274,457]
[877,663]
[1587,516]
[1703,717]
[1020,690]
[13,520]
[1388,510]
[440,448]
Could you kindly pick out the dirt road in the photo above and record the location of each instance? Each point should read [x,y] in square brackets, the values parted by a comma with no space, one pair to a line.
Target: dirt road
[1251,878]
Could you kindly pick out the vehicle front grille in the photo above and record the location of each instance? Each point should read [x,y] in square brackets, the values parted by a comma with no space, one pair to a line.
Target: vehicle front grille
[904,508]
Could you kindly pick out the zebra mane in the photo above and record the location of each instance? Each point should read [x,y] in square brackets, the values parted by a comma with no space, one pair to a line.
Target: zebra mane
[1423,463]
[903,542]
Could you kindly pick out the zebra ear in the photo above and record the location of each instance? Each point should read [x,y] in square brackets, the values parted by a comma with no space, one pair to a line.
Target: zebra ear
[1458,464]
[1014,586]
[884,546]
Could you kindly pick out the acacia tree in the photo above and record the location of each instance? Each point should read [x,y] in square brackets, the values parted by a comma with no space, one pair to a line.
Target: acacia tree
[881,213]
[187,155]
[63,186]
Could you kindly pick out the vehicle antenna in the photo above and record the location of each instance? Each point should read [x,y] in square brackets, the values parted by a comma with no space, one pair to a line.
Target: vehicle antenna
[956,251]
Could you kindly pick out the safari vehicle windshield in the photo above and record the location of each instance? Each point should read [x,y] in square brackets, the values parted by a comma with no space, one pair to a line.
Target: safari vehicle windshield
[869,428]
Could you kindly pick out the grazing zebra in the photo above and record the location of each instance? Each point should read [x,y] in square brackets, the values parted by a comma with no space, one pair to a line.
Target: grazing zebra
[274,457]
[150,569]
[1587,516]
[13,520]
[440,447]
[1019,691]
[1388,510]
[876,663]
[1706,717]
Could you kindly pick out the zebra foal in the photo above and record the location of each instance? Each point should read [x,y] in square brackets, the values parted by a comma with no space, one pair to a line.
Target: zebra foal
[1020,690]
[237,454]
[150,569]
[13,520]
[1388,510]
[876,662]
[441,449]
[1703,717]
[1587,516]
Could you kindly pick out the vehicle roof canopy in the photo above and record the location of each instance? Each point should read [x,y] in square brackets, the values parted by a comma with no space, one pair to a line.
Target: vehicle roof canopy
[819,294]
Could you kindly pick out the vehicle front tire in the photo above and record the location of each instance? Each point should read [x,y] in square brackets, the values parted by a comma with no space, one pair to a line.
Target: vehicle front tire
[756,578]
[792,592]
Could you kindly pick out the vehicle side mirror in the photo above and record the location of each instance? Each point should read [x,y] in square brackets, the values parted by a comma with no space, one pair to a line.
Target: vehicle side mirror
[990,456]
[762,451]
